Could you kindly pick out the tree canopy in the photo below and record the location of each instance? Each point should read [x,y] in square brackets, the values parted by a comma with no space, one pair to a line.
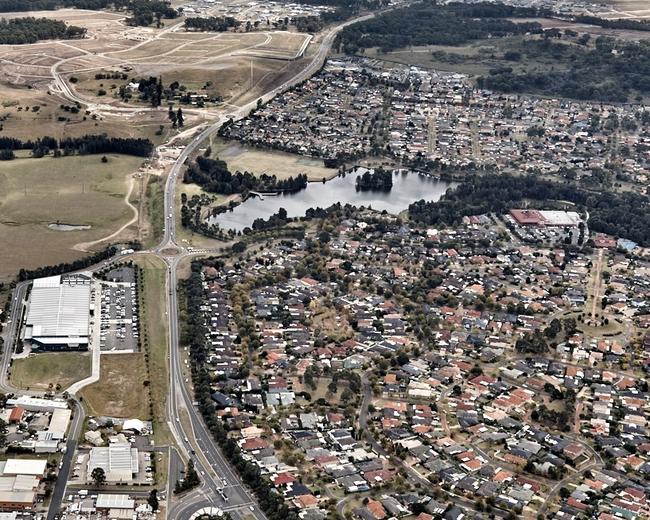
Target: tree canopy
[623,215]
[29,30]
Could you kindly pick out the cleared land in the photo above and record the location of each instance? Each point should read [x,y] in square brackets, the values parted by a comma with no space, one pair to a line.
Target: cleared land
[50,371]
[29,113]
[280,164]
[78,190]
[121,389]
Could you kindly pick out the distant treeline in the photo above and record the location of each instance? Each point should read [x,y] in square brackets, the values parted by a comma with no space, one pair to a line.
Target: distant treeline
[143,12]
[213,176]
[426,23]
[9,6]
[623,215]
[30,30]
[54,270]
[88,144]
[212,23]
[618,23]
[610,71]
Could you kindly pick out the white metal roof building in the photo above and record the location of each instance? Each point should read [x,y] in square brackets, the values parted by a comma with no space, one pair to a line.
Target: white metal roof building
[106,501]
[13,467]
[119,462]
[38,404]
[58,313]
[59,424]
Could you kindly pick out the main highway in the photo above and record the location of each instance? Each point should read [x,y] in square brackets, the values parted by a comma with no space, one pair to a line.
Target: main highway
[220,486]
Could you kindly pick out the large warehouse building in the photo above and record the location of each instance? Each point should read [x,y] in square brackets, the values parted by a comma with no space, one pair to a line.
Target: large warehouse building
[119,462]
[58,313]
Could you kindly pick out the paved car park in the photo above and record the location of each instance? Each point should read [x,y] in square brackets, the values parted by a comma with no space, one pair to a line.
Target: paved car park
[119,312]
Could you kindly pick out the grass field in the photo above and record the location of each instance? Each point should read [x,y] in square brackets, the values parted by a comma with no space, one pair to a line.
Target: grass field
[280,164]
[73,190]
[47,370]
[120,391]
[154,321]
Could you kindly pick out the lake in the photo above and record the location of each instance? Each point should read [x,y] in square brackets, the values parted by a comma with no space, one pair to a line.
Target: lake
[407,188]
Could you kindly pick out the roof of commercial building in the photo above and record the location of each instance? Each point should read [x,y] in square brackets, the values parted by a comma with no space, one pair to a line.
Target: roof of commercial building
[37,403]
[59,307]
[17,497]
[527,216]
[19,483]
[114,501]
[560,218]
[23,467]
[533,217]
[119,461]
[59,422]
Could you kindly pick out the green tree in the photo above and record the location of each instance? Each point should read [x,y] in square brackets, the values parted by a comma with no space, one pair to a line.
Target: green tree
[98,475]
[153,500]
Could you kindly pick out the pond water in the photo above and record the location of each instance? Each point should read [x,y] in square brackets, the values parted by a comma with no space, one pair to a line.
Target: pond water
[407,188]
[59,226]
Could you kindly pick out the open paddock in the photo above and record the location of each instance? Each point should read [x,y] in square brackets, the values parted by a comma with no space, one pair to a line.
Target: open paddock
[29,113]
[280,164]
[73,190]
[593,30]
[50,370]
[121,390]
[281,45]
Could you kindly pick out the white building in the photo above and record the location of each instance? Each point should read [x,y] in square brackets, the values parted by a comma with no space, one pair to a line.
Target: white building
[58,312]
[119,462]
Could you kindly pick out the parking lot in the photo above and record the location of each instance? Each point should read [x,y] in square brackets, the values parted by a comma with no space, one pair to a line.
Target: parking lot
[119,312]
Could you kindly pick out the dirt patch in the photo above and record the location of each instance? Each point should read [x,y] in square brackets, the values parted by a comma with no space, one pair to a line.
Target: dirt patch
[121,390]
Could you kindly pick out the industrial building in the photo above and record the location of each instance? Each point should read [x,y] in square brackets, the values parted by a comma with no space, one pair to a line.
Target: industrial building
[119,462]
[38,404]
[19,483]
[115,506]
[58,313]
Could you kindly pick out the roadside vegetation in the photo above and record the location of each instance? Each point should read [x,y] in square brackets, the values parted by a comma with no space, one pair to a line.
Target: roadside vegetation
[155,341]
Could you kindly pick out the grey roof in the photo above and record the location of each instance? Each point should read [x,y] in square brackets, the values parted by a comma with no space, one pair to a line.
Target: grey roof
[59,310]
